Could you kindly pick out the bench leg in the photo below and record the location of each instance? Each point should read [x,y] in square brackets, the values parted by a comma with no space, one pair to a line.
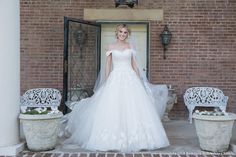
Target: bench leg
[222,108]
[190,110]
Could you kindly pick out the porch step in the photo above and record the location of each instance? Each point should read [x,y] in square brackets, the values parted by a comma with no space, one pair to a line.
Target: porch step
[139,154]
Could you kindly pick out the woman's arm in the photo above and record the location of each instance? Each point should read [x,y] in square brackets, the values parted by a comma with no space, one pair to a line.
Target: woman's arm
[108,65]
[134,65]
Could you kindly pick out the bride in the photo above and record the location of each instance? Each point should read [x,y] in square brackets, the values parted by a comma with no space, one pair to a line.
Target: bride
[124,114]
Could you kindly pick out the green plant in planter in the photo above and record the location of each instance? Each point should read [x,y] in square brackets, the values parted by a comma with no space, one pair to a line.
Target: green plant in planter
[38,110]
[35,112]
[215,112]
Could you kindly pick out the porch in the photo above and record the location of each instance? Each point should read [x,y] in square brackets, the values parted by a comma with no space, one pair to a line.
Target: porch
[181,134]
[202,52]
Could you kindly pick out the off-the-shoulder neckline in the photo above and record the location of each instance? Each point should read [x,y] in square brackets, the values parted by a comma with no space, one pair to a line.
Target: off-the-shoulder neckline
[121,50]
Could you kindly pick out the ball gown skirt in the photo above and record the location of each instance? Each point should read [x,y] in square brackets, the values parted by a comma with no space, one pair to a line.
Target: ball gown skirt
[119,116]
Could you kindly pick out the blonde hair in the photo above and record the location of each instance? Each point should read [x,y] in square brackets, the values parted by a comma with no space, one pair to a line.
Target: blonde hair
[120,26]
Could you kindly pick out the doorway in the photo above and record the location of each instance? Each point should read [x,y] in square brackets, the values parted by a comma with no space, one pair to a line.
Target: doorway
[139,39]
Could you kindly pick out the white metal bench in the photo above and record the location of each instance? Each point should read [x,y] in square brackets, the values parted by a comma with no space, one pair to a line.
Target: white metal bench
[41,97]
[204,97]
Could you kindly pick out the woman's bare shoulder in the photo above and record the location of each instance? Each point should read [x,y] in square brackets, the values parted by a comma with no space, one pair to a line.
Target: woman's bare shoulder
[109,50]
[129,46]
[113,46]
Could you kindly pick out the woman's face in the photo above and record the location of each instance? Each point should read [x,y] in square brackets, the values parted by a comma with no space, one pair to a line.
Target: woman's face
[122,34]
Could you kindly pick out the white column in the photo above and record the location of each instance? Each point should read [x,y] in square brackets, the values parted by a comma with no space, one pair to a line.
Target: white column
[9,77]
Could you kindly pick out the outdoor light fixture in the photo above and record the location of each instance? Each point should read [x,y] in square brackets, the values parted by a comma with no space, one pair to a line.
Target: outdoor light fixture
[130,3]
[165,39]
[80,37]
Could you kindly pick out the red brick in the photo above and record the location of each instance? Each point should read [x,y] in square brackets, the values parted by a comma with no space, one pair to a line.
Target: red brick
[201,53]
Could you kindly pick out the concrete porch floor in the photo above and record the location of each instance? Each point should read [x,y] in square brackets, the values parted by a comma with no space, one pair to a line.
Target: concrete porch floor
[181,134]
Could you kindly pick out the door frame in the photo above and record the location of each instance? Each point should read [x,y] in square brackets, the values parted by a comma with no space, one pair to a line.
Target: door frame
[147,23]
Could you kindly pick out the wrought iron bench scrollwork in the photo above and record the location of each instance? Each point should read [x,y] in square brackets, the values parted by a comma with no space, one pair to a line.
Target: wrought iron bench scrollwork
[41,97]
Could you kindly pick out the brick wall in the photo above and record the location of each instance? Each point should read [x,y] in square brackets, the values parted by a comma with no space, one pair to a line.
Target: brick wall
[201,53]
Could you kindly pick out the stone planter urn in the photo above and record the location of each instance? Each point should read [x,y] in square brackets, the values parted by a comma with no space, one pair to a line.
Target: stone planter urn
[40,130]
[172,99]
[214,132]
[40,117]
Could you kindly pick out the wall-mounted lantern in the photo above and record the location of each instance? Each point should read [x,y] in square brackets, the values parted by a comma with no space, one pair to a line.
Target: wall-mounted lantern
[165,39]
[80,38]
[130,3]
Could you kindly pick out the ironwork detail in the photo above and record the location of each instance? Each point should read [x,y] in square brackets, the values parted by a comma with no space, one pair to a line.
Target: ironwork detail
[82,61]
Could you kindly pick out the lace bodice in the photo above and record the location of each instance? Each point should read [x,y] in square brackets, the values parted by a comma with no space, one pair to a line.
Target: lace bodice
[121,60]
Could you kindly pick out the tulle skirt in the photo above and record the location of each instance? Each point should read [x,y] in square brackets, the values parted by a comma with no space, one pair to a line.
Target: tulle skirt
[120,116]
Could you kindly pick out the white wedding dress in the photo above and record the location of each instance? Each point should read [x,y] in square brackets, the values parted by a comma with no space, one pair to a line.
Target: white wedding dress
[119,116]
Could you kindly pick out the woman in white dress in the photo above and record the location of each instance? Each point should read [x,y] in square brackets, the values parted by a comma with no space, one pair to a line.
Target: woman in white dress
[122,114]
